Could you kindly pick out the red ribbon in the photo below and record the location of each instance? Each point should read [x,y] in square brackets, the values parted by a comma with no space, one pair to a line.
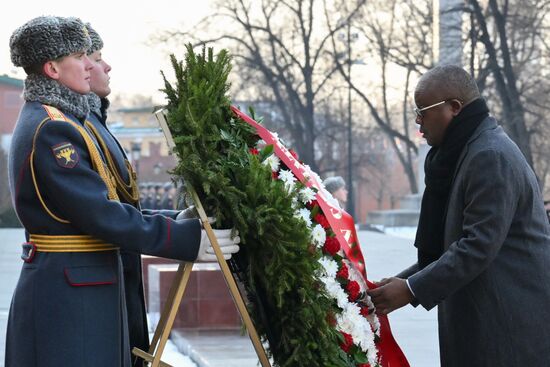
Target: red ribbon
[343,226]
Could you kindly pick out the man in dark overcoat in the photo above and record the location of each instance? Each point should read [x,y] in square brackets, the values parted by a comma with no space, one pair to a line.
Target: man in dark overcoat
[483,238]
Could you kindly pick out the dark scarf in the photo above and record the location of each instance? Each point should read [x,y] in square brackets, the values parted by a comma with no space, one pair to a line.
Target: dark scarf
[40,88]
[439,167]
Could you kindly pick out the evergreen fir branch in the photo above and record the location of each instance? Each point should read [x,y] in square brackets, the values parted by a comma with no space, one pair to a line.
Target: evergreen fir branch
[286,300]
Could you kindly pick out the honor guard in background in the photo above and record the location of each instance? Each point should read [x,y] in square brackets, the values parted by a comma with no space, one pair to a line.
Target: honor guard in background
[168,201]
[149,202]
[69,306]
[159,194]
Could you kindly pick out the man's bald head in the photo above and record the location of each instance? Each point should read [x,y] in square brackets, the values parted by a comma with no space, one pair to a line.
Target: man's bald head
[448,81]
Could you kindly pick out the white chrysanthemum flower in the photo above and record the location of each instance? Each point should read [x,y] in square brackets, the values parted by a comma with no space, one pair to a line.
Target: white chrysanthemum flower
[296,203]
[334,289]
[373,319]
[307,195]
[260,144]
[318,235]
[287,177]
[350,318]
[305,215]
[330,266]
[351,322]
[273,162]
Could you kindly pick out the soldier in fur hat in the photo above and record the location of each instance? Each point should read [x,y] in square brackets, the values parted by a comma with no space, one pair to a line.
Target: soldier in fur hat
[126,184]
[69,306]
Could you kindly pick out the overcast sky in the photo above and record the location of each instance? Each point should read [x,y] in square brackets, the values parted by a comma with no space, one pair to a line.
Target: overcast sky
[124,25]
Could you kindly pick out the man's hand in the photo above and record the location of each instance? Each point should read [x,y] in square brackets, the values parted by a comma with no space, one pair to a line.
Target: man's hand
[392,293]
[228,245]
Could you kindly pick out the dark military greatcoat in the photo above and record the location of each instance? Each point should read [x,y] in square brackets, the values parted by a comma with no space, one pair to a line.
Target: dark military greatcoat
[69,307]
[129,193]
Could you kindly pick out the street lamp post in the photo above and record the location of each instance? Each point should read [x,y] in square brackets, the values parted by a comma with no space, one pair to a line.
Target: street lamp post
[349,37]
[351,201]
[136,154]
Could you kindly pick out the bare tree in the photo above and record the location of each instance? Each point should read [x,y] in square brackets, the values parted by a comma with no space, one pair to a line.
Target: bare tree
[513,38]
[398,35]
[284,48]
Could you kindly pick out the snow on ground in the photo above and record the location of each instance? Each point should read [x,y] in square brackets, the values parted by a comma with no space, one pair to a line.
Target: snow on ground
[402,232]
[171,355]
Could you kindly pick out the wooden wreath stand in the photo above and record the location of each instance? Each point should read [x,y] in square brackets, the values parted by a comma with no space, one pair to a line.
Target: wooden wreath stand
[166,321]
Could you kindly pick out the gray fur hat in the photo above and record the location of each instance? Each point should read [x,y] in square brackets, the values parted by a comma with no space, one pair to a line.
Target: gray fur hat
[47,38]
[97,42]
[334,183]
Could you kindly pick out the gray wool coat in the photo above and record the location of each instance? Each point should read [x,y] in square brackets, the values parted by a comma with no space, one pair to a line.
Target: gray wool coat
[492,283]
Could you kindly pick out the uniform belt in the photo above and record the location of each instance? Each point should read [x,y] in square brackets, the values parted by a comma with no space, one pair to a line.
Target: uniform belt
[74,243]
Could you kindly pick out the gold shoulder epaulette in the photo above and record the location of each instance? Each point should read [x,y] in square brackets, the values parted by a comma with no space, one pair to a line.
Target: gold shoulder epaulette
[55,114]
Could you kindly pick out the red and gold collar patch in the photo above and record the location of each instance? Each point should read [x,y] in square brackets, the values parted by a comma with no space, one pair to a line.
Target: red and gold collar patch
[65,155]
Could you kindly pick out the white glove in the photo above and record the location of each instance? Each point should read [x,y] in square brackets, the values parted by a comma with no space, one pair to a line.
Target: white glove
[188,213]
[228,245]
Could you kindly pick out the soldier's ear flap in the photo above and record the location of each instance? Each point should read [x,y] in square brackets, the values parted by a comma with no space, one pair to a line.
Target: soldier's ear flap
[51,69]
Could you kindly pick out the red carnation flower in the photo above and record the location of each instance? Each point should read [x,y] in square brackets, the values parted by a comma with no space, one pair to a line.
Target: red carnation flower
[364,311]
[293,153]
[322,220]
[343,273]
[353,290]
[348,342]
[253,151]
[331,246]
[274,175]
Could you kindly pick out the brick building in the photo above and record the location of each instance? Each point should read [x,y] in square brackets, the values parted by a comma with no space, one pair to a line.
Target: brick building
[139,134]
[11,100]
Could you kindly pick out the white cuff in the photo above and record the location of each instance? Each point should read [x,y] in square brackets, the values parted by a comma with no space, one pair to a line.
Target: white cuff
[408,285]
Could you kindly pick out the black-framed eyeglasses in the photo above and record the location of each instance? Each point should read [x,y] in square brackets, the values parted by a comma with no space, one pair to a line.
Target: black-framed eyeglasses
[419,111]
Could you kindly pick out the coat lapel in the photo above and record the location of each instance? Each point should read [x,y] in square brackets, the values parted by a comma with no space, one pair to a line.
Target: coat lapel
[487,124]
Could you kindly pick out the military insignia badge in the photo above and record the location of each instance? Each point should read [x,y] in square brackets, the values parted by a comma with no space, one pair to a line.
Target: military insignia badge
[65,155]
